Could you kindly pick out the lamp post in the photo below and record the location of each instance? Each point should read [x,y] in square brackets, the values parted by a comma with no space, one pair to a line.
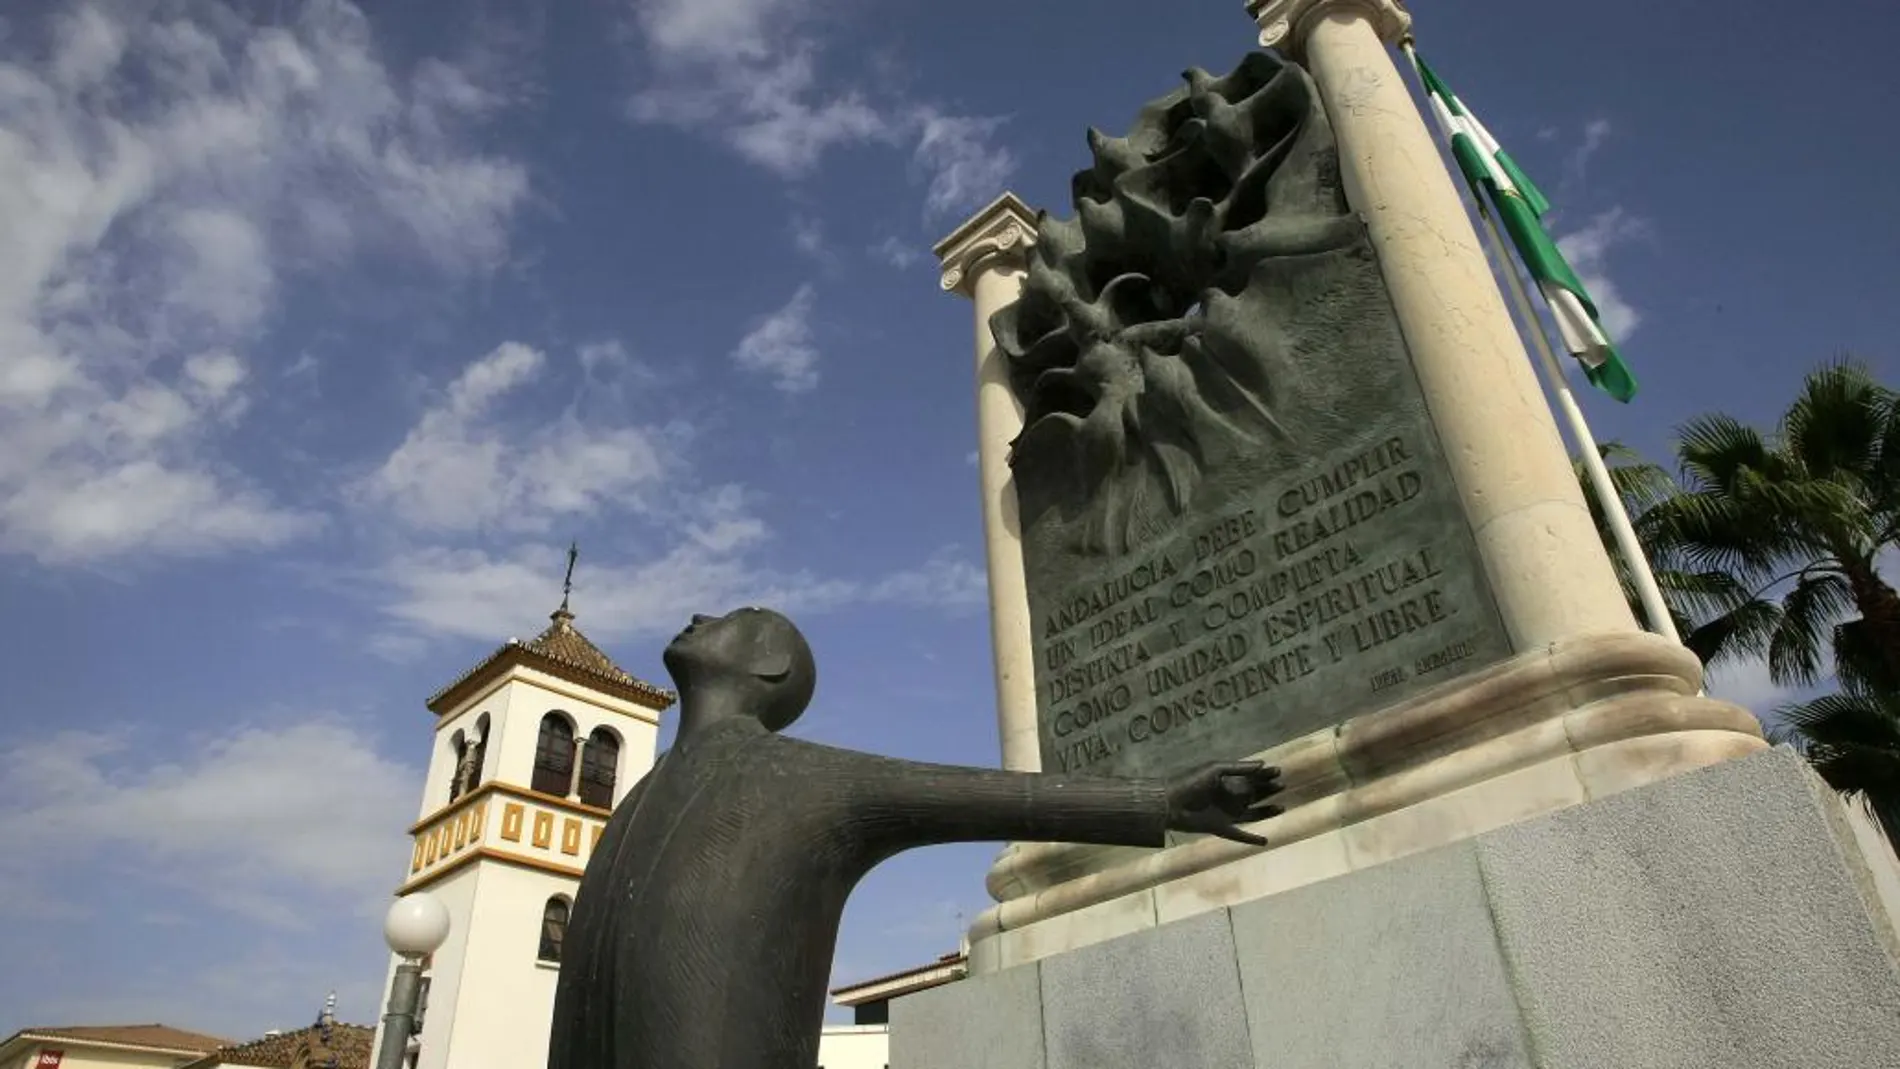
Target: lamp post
[416,925]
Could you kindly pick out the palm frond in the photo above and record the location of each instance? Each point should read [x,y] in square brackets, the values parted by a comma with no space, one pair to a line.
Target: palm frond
[1838,421]
[1641,484]
[1883,480]
[1853,742]
[1846,720]
[1743,633]
[1711,530]
[1861,663]
[1810,510]
[1715,447]
[1799,645]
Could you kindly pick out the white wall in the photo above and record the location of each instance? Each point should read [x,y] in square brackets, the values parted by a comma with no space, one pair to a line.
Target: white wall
[490,1000]
[855,1047]
[506,1000]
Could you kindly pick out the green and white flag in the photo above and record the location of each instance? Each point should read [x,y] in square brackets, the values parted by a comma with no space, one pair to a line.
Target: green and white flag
[1520,206]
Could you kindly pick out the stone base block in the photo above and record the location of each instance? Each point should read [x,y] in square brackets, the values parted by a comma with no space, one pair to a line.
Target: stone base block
[1735,916]
[1576,722]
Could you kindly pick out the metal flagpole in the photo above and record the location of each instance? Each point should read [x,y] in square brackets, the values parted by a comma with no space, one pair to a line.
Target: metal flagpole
[1660,619]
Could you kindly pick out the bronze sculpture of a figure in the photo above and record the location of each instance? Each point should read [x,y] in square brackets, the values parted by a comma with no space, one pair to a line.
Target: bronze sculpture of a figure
[703,931]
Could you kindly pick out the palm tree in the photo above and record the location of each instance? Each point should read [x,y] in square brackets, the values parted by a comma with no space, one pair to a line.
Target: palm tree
[1853,740]
[1769,548]
[1705,606]
[1796,521]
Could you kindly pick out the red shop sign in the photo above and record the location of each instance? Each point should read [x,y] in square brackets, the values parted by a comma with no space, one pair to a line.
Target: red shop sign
[49,1059]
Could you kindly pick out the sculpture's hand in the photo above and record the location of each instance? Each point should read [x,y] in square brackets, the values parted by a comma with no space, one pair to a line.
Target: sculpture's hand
[1215,798]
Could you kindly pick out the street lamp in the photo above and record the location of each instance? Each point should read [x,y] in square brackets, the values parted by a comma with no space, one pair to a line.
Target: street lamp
[415,926]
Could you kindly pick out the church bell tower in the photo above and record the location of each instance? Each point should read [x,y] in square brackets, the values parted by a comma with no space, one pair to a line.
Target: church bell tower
[533,747]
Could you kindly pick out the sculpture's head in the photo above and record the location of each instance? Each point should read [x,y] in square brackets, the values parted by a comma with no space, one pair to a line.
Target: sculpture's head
[757,652]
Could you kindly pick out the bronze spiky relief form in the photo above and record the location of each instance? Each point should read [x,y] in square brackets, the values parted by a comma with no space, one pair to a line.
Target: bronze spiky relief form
[1137,346]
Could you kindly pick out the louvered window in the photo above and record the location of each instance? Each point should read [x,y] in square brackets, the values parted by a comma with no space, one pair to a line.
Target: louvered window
[554,756]
[553,929]
[598,762]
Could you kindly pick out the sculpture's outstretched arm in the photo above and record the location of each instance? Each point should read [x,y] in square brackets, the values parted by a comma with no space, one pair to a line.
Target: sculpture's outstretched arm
[901,804]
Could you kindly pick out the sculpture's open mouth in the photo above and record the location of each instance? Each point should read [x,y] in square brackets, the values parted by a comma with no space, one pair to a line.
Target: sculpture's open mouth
[1061,392]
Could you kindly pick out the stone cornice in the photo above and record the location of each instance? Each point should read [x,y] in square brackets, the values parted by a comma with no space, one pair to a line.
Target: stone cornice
[1006,228]
[1283,23]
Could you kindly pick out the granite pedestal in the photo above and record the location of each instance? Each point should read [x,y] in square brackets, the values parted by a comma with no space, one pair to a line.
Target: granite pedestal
[1734,916]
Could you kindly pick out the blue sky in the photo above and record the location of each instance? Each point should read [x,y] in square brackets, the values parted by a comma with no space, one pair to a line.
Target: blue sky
[322,331]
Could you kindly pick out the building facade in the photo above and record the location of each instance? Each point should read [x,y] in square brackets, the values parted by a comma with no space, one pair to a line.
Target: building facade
[533,747]
[130,1046]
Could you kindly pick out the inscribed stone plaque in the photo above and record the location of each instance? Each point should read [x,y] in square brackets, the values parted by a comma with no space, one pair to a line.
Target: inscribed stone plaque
[1238,525]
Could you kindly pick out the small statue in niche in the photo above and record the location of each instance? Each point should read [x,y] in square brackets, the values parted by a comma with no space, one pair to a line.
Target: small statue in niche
[468,769]
[703,931]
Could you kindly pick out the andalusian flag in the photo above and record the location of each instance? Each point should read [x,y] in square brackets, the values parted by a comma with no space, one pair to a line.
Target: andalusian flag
[1520,206]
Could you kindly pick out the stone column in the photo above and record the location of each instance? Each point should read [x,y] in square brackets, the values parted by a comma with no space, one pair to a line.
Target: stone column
[1547,566]
[984,260]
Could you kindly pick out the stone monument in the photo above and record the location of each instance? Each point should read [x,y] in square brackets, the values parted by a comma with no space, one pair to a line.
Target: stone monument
[1239,526]
[1267,470]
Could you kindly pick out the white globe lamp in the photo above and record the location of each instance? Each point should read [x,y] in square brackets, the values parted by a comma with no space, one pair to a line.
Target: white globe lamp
[416,925]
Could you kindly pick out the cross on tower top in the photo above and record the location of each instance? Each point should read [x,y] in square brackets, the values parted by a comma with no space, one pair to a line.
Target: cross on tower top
[567,584]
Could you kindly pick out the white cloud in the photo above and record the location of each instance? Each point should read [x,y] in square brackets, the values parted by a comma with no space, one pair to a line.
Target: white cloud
[1588,248]
[962,163]
[748,73]
[160,177]
[480,595]
[215,375]
[715,29]
[808,237]
[89,46]
[896,252]
[602,356]
[613,379]
[943,581]
[305,366]
[466,466]
[93,512]
[1747,685]
[772,112]
[1595,133]
[225,274]
[285,834]
[320,806]
[781,346]
[678,544]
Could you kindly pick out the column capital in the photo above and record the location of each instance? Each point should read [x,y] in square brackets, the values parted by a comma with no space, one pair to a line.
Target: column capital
[1006,228]
[1283,23]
